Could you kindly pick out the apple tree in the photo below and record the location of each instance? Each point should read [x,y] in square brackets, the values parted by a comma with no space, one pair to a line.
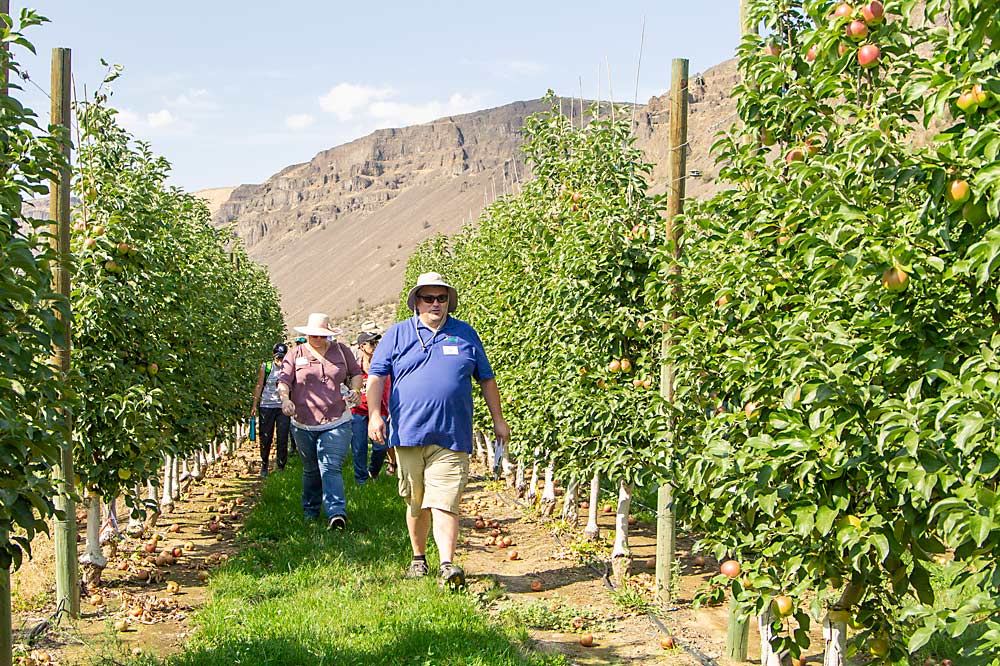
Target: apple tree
[836,335]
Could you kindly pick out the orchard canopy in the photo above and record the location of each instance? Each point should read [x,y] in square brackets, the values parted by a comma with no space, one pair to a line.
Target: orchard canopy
[833,321]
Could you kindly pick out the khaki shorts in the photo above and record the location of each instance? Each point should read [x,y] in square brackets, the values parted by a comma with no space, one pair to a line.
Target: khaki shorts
[431,477]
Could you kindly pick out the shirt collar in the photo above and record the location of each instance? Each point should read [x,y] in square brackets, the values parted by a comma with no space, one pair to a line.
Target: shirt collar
[444,326]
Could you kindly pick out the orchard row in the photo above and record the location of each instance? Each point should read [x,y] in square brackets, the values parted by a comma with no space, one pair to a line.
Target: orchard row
[169,319]
[831,326]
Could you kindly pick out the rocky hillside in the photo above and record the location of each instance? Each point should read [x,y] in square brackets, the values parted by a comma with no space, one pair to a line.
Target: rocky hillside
[336,231]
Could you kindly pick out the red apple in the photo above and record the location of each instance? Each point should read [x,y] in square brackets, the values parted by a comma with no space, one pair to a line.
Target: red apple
[842,49]
[873,12]
[772,50]
[536,585]
[667,642]
[587,640]
[842,10]
[795,155]
[730,568]
[857,30]
[895,279]
[512,555]
[812,53]
[868,55]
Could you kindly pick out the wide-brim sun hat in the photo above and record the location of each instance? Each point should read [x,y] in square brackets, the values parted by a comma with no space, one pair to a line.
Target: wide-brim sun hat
[368,336]
[432,280]
[371,327]
[318,324]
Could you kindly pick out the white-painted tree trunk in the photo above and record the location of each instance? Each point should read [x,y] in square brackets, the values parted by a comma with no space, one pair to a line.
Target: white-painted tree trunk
[520,485]
[200,464]
[175,488]
[532,493]
[508,467]
[835,639]
[768,657]
[152,493]
[592,532]
[571,506]
[93,559]
[481,451]
[621,554]
[167,499]
[549,492]
[211,452]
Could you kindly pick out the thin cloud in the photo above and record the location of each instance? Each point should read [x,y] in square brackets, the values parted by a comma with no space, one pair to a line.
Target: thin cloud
[375,106]
[400,114]
[345,100]
[160,119]
[197,99]
[299,121]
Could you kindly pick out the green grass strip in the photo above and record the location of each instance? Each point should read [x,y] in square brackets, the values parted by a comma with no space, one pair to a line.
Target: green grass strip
[299,594]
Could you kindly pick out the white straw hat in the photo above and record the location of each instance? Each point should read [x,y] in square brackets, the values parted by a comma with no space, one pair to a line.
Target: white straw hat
[432,280]
[318,324]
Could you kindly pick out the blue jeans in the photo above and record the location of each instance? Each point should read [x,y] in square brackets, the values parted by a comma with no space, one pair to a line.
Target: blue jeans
[323,453]
[359,451]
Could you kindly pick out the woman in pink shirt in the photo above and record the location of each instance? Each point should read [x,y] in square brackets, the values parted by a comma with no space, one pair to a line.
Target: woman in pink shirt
[309,388]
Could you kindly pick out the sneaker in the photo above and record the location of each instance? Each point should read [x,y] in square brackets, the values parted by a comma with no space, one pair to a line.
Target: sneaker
[263,472]
[452,575]
[337,523]
[418,569]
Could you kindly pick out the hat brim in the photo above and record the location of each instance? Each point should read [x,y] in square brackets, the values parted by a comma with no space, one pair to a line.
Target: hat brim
[309,330]
[411,298]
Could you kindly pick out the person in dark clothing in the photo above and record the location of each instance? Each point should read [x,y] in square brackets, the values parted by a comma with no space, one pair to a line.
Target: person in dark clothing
[270,418]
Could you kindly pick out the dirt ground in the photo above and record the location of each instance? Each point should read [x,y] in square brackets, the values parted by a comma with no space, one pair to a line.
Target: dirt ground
[135,591]
[567,570]
[572,584]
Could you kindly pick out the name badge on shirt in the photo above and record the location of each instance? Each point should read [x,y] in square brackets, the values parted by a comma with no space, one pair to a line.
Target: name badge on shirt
[301,361]
[450,350]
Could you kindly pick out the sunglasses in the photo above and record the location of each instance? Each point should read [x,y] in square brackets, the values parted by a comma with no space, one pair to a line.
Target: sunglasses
[440,298]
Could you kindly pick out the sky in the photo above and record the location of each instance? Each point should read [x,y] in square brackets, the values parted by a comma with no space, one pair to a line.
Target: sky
[231,92]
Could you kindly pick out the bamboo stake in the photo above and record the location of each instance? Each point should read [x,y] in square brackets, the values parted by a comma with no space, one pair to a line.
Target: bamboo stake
[611,93]
[67,574]
[665,537]
[6,624]
[638,67]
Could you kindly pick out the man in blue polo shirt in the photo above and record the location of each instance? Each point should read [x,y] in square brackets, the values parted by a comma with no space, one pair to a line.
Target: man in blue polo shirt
[432,359]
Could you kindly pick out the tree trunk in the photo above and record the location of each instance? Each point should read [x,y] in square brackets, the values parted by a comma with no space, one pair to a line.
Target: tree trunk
[93,559]
[621,554]
[532,493]
[835,638]
[592,532]
[482,452]
[175,481]
[549,492]
[167,498]
[520,485]
[571,506]
[152,493]
[768,657]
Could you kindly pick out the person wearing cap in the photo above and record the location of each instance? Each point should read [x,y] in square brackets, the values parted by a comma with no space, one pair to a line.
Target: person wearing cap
[269,417]
[310,390]
[363,470]
[432,359]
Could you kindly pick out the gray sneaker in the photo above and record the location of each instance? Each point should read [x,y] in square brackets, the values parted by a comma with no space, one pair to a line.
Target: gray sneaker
[452,575]
[418,569]
[337,523]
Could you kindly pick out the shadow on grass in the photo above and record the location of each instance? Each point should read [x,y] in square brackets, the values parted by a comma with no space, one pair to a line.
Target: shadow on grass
[418,645]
